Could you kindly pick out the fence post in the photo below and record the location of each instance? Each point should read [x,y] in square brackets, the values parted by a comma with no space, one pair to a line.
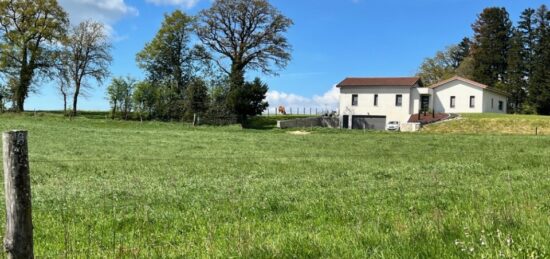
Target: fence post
[18,241]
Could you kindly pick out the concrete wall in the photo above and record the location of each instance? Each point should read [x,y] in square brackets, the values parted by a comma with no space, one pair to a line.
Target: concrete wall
[462,92]
[386,102]
[327,122]
[416,92]
[490,102]
[410,127]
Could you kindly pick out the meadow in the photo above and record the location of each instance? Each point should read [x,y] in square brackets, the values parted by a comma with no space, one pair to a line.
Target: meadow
[105,188]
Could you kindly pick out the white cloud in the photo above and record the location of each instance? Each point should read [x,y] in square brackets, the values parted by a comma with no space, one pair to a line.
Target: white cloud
[185,3]
[329,100]
[107,12]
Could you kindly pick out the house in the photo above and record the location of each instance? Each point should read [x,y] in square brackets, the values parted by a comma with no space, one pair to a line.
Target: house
[372,102]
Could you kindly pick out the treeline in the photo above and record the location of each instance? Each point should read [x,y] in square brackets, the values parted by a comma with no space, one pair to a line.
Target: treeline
[182,77]
[513,58]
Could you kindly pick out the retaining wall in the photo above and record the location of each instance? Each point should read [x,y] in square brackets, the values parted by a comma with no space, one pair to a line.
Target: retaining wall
[327,122]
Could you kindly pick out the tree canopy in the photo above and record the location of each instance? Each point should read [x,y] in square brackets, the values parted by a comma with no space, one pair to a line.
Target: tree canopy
[30,33]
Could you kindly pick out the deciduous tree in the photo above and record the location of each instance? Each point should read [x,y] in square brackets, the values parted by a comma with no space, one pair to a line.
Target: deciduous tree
[247,33]
[170,62]
[120,95]
[87,51]
[30,33]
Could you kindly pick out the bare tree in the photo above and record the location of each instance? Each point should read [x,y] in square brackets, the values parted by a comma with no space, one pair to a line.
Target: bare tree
[247,32]
[63,80]
[88,48]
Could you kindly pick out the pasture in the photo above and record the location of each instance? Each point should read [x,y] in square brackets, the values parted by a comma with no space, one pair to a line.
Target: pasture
[105,188]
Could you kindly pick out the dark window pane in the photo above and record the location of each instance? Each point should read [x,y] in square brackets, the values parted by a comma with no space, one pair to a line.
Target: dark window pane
[398,100]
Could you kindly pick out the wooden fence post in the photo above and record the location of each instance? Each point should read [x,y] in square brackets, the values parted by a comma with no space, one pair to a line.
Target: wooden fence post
[18,241]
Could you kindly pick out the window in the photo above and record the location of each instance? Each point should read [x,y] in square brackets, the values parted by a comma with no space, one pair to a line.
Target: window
[492,103]
[472,101]
[398,100]
[354,100]
[500,105]
[453,101]
[375,100]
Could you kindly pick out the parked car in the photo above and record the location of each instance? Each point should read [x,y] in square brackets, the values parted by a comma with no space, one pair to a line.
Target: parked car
[393,126]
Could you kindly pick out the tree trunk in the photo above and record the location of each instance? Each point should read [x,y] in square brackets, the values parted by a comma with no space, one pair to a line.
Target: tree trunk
[114,111]
[65,104]
[75,97]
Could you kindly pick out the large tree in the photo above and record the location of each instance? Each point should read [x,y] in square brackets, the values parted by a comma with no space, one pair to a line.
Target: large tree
[442,66]
[526,27]
[170,62]
[515,83]
[87,56]
[539,82]
[492,32]
[461,52]
[247,33]
[30,33]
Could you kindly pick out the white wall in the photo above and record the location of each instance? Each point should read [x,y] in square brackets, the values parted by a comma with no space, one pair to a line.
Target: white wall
[490,102]
[416,92]
[462,92]
[386,102]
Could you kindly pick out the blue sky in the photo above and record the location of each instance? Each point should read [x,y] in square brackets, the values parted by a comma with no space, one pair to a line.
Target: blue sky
[331,39]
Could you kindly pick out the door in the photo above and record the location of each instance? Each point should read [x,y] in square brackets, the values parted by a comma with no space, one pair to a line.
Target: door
[424,103]
[368,122]
[345,122]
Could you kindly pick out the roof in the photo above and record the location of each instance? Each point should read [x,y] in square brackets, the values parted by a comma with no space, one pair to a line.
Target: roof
[474,83]
[381,81]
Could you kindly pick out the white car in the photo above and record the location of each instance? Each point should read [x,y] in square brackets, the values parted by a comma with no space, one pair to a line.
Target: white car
[393,126]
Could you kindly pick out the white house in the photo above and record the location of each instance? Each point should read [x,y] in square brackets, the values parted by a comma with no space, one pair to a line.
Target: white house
[372,102]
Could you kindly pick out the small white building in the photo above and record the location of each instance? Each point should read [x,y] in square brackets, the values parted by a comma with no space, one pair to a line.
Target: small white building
[372,102]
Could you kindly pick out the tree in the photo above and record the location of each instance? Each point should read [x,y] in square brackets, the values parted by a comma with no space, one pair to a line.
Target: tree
[169,62]
[197,97]
[442,66]
[526,27]
[120,95]
[515,83]
[248,33]
[460,52]
[145,98]
[249,99]
[30,31]
[539,83]
[87,51]
[492,32]
[63,81]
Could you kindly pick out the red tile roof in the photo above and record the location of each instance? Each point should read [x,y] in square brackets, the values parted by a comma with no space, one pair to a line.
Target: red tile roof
[381,81]
[474,83]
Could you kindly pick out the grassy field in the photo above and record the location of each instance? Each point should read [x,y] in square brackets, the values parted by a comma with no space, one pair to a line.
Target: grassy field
[494,124]
[106,188]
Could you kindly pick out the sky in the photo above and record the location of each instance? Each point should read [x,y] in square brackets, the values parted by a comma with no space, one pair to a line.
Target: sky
[331,40]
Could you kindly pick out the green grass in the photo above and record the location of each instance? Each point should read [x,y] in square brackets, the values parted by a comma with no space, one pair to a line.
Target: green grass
[106,188]
[494,123]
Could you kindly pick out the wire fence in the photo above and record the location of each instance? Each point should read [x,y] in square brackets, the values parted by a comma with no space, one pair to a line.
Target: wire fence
[312,111]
